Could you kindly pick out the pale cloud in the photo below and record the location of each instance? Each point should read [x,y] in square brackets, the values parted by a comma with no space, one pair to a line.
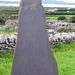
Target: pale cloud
[9,0]
[67,1]
[58,5]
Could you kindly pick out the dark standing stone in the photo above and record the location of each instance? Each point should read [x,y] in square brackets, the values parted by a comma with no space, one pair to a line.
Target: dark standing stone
[32,55]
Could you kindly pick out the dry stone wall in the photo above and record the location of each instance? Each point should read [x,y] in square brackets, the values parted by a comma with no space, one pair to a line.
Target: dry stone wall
[8,42]
[60,24]
[60,38]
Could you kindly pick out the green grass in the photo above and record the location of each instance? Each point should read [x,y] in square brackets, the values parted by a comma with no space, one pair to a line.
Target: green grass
[5,63]
[64,48]
[51,18]
[5,7]
[64,55]
[66,62]
[59,15]
[66,15]
[55,18]
[8,31]
[65,30]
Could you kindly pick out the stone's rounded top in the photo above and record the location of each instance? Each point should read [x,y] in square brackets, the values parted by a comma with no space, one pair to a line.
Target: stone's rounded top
[31,1]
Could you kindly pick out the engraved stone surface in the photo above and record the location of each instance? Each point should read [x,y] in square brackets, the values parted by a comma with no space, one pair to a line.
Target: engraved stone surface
[32,54]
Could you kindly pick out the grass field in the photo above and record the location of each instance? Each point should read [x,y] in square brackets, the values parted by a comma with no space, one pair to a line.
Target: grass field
[66,62]
[5,63]
[61,30]
[9,31]
[51,18]
[64,55]
[60,15]
[55,18]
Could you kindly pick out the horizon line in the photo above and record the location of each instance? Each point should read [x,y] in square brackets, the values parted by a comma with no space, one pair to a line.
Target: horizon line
[44,5]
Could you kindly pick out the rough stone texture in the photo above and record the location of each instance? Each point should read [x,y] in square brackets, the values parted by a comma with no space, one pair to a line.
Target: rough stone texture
[11,22]
[60,24]
[60,38]
[32,55]
[7,42]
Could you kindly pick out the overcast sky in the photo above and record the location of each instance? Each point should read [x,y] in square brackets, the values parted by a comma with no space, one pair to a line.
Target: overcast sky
[67,1]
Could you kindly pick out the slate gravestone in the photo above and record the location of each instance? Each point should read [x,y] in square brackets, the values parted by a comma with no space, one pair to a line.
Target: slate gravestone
[33,55]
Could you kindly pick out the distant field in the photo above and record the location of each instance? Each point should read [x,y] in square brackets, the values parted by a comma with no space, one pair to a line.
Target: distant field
[8,7]
[13,11]
[55,17]
[63,15]
[51,18]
